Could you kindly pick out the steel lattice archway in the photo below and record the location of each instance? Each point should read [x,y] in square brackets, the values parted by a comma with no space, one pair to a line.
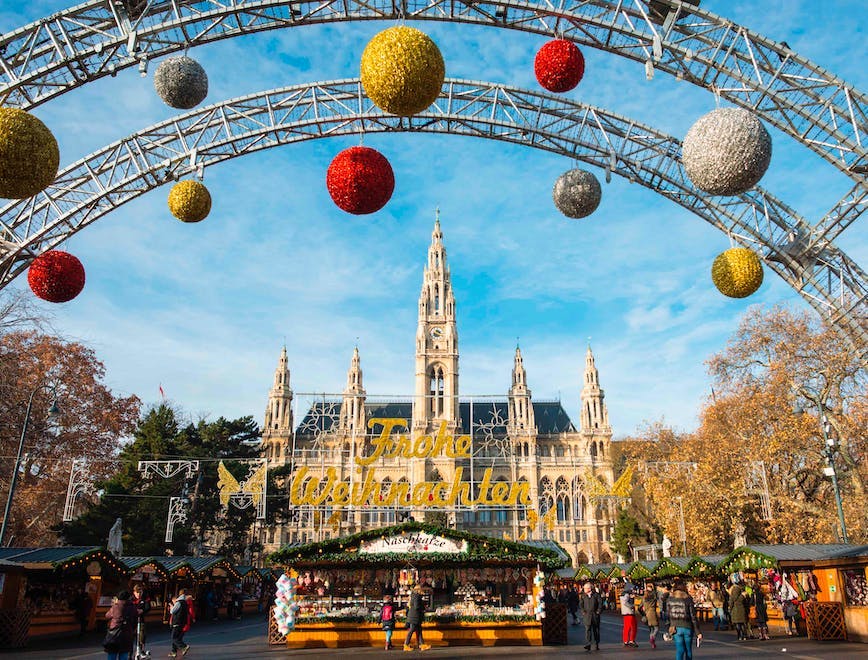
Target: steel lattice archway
[70,48]
[94,186]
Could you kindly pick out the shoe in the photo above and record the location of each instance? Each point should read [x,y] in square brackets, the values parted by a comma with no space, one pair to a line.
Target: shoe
[587,647]
[653,643]
[171,654]
[634,645]
[185,649]
[424,647]
[597,648]
[407,647]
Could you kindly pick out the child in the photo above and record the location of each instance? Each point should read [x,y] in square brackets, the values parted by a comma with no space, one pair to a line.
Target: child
[791,613]
[387,619]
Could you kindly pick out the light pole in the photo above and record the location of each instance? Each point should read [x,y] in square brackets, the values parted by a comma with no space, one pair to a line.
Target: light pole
[52,412]
[681,527]
[828,453]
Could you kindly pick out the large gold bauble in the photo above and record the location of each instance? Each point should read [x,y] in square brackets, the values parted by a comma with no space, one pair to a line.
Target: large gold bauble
[190,201]
[402,70]
[29,156]
[737,273]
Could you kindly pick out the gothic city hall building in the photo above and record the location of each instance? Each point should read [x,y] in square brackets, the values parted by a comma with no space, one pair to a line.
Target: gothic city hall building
[510,466]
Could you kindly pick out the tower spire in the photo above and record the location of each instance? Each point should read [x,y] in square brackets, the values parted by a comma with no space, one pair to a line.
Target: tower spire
[521,418]
[436,397]
[278,413]
[595,416]
[353,405]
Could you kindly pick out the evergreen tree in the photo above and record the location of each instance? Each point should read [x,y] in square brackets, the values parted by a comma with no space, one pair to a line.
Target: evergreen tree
[143,503]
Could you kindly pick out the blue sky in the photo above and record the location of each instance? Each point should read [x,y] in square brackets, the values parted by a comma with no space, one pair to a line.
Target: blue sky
[204,309]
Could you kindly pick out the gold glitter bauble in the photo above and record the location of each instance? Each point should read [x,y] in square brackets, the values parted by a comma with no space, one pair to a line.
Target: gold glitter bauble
[402,70]
[189,201]
[29,156]
[737,273]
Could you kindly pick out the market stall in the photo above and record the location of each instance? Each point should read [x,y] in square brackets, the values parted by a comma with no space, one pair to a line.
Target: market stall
[842,578]
[14,617]
[56,582]
[199,576]
[476,587]
[154,578]
[251,587]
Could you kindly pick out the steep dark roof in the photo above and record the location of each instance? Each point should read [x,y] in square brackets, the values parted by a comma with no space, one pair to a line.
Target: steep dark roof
[488,416]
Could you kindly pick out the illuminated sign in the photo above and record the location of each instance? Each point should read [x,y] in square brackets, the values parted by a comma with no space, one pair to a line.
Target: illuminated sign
[418,542]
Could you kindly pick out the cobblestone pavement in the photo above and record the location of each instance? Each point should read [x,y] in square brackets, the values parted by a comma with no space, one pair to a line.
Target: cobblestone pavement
[246,639]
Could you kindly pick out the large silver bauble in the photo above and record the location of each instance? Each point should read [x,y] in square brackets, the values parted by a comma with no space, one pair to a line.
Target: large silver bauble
[577,193]
[181,82]
[726,151]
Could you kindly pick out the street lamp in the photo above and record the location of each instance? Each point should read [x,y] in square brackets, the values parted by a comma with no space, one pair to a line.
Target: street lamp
[828,453]
[53,411]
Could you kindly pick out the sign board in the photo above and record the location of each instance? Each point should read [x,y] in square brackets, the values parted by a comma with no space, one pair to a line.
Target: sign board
[416,542]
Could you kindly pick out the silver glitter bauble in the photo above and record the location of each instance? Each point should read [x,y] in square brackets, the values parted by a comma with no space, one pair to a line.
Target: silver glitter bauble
[726,151]
[577,193]
[181,82]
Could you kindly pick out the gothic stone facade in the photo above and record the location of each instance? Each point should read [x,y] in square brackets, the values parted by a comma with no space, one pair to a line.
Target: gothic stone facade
[520,440]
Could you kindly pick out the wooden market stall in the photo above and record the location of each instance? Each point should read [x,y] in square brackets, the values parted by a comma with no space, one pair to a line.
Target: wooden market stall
[154,578]
[251,587]
[476,587]
[842,578]
[199,576]
[14,617]
[56,579]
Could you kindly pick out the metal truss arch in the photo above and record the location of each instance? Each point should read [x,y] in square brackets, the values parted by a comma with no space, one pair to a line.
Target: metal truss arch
[94,186]
[68,49]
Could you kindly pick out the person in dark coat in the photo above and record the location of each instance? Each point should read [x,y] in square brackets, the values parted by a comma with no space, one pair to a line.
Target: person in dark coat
[83,606]
[682,617]
[573,604]
[177,620]
[737,611]
[415,616]
[762,613]
[591,605]
[121,615]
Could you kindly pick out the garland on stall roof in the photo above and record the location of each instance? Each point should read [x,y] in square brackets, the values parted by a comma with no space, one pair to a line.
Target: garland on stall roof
[344,550]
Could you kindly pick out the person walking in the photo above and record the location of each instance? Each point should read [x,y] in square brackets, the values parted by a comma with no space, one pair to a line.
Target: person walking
[573,604]
[717,600]
[387,619]
[682,620]
[177,620]
[591,605]
[762,613]
[142,604]
[628,614]
[649,607]
[415,616]
[662,599]
[737,612]
[121,623]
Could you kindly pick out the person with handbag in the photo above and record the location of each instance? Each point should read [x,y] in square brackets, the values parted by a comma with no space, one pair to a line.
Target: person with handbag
[122,617]
[683,624]
[649,612]
[178,616]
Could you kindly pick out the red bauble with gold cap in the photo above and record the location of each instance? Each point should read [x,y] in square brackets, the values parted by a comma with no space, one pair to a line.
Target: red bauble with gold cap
[559,65]
[360,180]
[56,276]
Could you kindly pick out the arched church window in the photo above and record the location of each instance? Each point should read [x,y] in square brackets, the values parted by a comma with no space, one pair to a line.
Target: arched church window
[436,390]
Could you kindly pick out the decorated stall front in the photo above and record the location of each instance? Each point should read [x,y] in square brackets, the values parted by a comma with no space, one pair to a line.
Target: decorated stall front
[64,588]
[478,590]
[842,579]
[210,580]
[150,573]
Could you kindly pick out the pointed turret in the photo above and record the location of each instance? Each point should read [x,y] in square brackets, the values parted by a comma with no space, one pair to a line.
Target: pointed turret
[521,419]
[595,417]
[278,412]
[353,406]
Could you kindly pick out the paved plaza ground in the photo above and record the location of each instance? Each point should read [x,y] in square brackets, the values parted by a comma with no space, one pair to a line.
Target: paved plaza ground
[246,639]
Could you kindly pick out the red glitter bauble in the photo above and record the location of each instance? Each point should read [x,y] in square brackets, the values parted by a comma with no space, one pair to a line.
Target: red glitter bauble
[559,65]
[56,276]
[360,180]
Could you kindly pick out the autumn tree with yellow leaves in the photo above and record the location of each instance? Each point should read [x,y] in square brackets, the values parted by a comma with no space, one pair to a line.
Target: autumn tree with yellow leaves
[754,466]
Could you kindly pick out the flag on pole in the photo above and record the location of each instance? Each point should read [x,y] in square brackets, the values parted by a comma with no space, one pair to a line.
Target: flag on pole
[162,393]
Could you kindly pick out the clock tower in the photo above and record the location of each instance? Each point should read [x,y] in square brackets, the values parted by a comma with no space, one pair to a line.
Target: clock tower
[436,396]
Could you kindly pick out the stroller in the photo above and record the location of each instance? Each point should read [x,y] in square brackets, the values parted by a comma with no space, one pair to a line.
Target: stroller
[139,652]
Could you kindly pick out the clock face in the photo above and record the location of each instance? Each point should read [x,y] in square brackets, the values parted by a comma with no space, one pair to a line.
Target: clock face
[436,333]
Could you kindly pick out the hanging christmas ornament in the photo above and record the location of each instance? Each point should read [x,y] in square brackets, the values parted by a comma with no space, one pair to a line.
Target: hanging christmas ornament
[56,276]
[726,152]
[181,82]
[402,70]
[559,65]
[190,201]
[577,193]
[29,156]
[737,273]
[360,180]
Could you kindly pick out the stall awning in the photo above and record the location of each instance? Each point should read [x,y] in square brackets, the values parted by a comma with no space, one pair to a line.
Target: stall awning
[783,555]
[91,559]
[422,544]
[136,564]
